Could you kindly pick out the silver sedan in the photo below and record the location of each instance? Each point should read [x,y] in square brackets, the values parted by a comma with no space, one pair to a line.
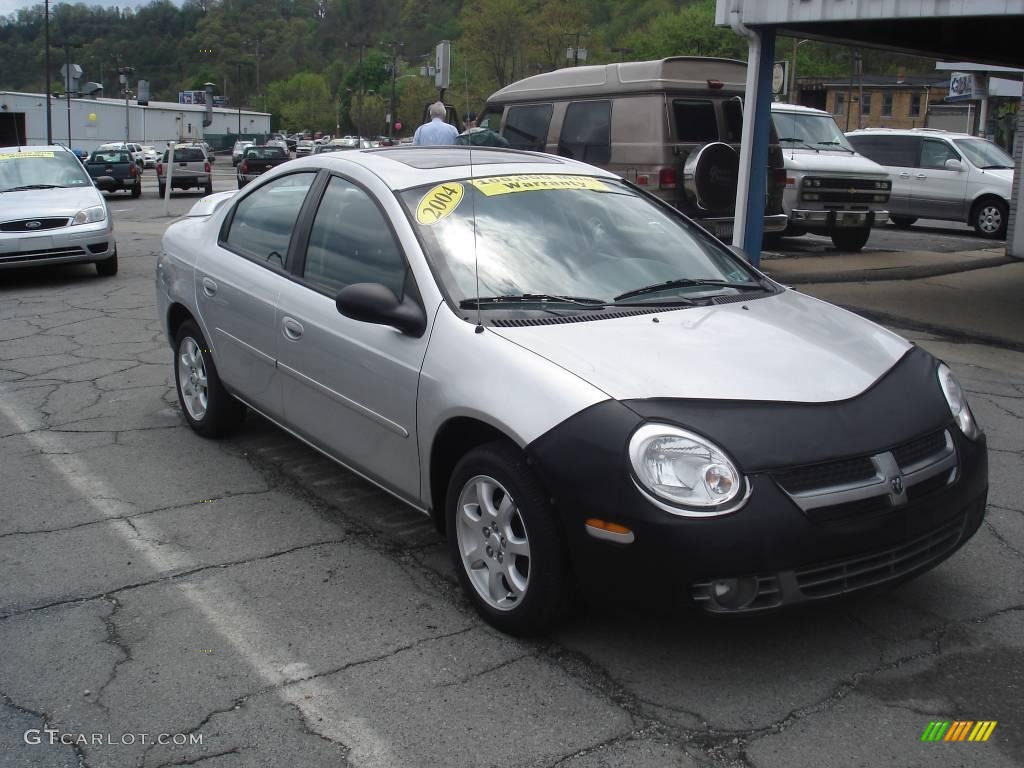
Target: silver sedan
[579,385]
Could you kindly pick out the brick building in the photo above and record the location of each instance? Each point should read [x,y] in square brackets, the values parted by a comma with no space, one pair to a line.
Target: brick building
[890,101]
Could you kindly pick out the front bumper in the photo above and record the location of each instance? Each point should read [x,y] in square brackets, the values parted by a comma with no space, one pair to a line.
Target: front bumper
[83,243]
[788,554]
[721,227]
[830,220]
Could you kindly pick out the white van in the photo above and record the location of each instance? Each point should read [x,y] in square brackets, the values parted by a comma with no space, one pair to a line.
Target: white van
[830,189]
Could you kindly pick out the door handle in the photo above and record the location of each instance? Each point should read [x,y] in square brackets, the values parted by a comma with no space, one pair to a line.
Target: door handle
[209,287]
[904,175]
[292,328]
[922,176]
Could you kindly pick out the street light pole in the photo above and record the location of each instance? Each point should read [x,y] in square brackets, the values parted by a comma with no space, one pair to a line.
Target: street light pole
[46,25]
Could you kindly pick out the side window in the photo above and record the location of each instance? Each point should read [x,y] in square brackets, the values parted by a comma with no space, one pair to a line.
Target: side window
[586,132]
[262,224]
[935,153]
[732,110]
[899,151]
[695,120]
[527,127]
[350,242]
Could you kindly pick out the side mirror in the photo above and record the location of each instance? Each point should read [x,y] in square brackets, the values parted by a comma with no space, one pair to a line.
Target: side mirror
[954,165]
[375,303]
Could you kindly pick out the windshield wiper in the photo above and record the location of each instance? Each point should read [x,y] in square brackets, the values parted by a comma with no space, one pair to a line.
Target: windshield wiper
[686,282]
[793,140]
[31,186]
[532,298]
[837,145]
[988,167]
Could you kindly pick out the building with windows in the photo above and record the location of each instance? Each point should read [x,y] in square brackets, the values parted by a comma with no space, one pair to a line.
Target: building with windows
[889,101]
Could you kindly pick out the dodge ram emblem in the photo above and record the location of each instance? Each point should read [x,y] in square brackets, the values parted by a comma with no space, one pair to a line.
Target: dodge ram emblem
[897,484]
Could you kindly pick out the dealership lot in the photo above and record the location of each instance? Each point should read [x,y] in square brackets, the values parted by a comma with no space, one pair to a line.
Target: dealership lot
[254,594]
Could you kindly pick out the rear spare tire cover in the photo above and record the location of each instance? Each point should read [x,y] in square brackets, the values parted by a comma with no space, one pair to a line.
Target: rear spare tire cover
[710,175]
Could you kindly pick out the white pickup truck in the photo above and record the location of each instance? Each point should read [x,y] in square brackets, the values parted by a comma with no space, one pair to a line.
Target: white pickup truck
[830,189]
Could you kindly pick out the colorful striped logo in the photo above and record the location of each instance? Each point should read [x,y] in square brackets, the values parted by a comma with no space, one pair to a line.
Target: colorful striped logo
[959,730]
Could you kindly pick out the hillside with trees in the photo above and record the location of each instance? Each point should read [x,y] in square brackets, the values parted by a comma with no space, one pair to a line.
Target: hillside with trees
[318,63]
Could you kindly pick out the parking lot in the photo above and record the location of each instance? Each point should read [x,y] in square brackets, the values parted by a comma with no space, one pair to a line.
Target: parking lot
[250,595]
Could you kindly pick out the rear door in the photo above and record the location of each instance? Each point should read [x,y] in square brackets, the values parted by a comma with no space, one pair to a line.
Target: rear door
[938,193]
[238,282]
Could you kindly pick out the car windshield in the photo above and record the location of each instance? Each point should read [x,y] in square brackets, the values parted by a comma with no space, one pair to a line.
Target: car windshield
[40,168]
[816,131]
[984,154]
[564,236]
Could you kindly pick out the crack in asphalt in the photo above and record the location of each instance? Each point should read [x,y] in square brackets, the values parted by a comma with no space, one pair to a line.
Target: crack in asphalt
[310,730]
[1002,540]
[135,515]
[47,723]
[113,638]
[201,758]
[177,575]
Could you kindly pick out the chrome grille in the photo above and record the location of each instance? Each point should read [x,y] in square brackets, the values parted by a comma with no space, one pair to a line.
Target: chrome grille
[865,485]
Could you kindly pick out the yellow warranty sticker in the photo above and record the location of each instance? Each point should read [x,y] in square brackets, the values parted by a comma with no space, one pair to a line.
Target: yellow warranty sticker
[439,202]
[19,155]
[503,185]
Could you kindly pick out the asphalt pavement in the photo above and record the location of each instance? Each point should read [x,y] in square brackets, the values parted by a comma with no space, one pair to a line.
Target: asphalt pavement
[252,596]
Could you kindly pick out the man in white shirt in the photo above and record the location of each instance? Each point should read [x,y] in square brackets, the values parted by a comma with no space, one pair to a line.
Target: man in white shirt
[437,131]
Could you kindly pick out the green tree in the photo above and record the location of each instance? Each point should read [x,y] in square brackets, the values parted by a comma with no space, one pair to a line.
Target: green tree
[302,102]
[497,32]
[689,31]
[368,114]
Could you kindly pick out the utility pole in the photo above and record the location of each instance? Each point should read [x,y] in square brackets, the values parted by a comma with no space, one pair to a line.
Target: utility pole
[859,61]
[395,45]
[49,119]
[122,76]
[67,79]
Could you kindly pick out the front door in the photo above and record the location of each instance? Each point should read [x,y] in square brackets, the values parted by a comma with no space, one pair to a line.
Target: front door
[237,286]
[350,387]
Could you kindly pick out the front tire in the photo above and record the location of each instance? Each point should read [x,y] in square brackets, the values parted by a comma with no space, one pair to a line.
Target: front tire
[850,239]
[107,267]
[208,407]
[505,542]
[990,218]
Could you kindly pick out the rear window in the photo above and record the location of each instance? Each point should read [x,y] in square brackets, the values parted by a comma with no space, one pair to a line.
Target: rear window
[695,120]
[732,110]
[187,155]
[264,153]
[527,126]
[899,151]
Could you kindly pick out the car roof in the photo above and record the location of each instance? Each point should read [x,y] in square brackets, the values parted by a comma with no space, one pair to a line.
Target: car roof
[779,106]
[34,148]
[933,132]
[406,167]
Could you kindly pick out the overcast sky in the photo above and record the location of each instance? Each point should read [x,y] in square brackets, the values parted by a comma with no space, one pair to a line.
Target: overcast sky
[8,7]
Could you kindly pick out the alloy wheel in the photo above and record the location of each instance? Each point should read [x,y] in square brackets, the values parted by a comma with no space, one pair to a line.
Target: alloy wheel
[192,378]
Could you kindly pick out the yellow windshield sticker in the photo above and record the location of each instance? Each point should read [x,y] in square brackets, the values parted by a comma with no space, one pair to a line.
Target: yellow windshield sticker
[439,202]
[503,185]
[19,155]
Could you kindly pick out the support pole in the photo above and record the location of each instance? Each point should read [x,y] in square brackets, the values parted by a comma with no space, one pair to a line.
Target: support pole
[49,117]
[67,86]
[748,226]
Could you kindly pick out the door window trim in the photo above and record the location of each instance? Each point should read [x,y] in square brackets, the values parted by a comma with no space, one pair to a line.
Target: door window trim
[225,227]
[301,244]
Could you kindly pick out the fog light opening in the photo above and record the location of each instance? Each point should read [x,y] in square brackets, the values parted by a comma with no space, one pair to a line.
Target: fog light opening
[734,594]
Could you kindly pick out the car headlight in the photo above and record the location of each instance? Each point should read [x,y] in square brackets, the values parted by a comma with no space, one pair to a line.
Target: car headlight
[958,403]
[90,215]
[688,471]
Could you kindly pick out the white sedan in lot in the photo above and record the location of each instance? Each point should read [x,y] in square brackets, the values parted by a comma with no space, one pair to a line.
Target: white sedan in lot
[579,385]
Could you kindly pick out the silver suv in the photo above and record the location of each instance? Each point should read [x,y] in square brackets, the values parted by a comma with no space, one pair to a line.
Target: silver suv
[191,169]
[942,175]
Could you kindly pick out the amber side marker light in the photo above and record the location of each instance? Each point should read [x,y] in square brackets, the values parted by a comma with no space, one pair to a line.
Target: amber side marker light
[602,529]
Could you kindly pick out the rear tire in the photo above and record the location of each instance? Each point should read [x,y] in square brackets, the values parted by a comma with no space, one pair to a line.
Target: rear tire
[516,573]
[163,189]
[990,217]
[850,239]
[903,222]
[137,190]
[209,188]
[208,407]
[107,267]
